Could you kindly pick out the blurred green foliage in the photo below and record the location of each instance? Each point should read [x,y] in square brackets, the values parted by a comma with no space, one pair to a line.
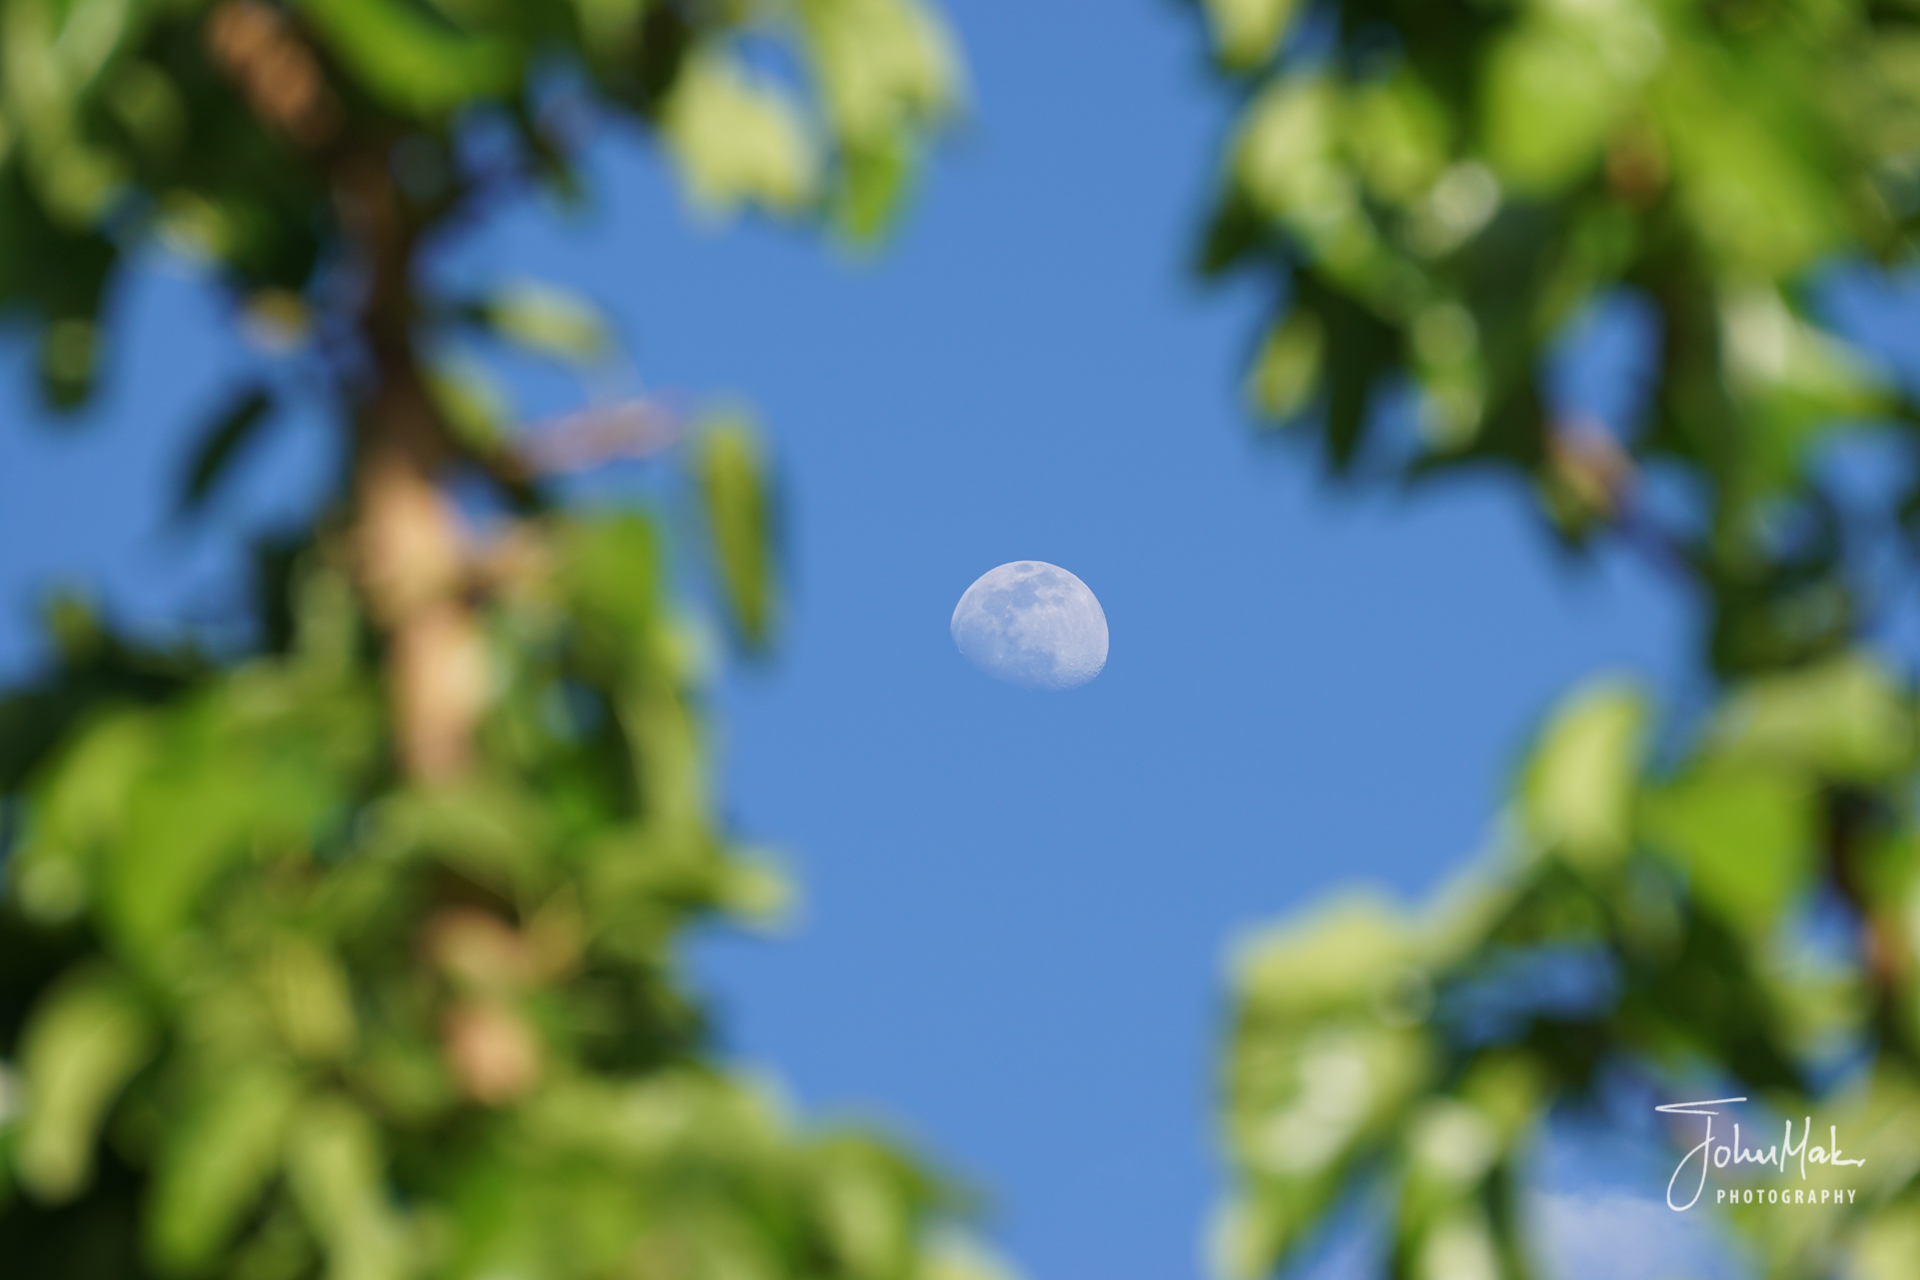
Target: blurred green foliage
[356,956]
[1437,191]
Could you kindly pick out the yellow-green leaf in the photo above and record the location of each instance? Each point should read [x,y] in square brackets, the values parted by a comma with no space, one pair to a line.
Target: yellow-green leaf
[80,806]
[408,61]
[470,400]
[1344,956]
[550,320]
[1551,99]
[738,138]
[338,1176]
[730,462]
[1844,719]
[1743,835]
[214,1165]
[1577,795]
[885,66]
[1246,32]
[82,1044]
[1286,372]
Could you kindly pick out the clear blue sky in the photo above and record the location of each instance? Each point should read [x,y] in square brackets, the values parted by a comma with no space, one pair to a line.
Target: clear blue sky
[1016,902]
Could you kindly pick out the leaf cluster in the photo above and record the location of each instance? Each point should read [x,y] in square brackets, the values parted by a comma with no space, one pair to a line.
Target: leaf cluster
[338,1023]
[1644,929]
[1439,191]
[221,127]
[355,955]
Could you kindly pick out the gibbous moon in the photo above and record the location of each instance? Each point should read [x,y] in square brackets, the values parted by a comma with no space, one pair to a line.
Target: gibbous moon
[1032,624]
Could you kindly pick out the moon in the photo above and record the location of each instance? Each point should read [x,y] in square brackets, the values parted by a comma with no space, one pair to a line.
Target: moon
[1032,624]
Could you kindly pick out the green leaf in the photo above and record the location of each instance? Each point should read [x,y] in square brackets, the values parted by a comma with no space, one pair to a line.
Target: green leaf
[53,54]
[609,571]
[1461,1242]
[1286,371]
[80,807]
[1752,164]
[550,320]
[83,1042]
[488,829]
[873,180]
[1343,956]
[69,360]
[1286,154]
[1794,384]
[214,1165]
[1888,1243]
[1843,719]
[409,61]
[730,463]
[757,890]
[866,1206]
[337,1171]
[1577,793]
[948,1255]
[738,139]
[1246,32]
[1307,1108]
[1247,1231]
[57,273]
[310,997]
[254,765]
[885,67]
[610,27]
[1744,836]
[221,440]
[888,73]
[471,400]
[1558,85]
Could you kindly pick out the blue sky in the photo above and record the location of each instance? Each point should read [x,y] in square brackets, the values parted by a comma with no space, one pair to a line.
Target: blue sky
[1016,902]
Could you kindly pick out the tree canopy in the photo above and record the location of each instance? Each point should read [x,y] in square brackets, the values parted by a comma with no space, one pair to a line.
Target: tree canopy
[355,955]
[1437,192]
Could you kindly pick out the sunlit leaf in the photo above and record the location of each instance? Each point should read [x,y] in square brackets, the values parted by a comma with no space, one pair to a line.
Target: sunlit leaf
[336,1170]
[550,320]
[83,1043]
[1842,719]
[308,994]
[884,65]
[950,1256]
[1247,31]
[758,890]
[1559,84]
[1341,957]
[1578,792]
[738,139]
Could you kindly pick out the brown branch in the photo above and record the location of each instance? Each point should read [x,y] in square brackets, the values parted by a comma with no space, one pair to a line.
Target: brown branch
[276,70]
[408,544]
